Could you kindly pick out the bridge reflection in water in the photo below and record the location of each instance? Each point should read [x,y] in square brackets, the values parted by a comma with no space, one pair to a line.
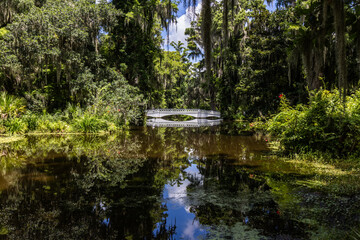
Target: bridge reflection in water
[196,113]
[200,122]
[199,114]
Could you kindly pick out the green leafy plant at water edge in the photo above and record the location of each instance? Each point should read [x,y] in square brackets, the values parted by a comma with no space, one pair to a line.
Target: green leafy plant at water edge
[15,126]
[90,124]
[2,127]
[10,106]
[31,120]
[51,123]
[325,124]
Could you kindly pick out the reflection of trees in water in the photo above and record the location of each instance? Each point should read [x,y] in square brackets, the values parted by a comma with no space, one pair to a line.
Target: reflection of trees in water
[93,186]
[170,143]
[233,197]
[81,188]
[110,186]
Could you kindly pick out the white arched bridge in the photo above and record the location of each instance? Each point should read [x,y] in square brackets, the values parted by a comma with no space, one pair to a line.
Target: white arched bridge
[196,113]
[200,122]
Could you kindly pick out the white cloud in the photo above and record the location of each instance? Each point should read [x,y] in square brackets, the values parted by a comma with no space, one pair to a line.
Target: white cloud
[178,194]
[177,30]
[189,231]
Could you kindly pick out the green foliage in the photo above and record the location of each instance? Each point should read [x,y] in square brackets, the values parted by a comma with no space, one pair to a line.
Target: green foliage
[89,124]
[3,32]
[355,234]
[15,126]
[115,100]
[237,231]
[37,100]
[49,123]
[72,119]
[325,124]
[31,120]
[56,44]
[173,71]
[10,106]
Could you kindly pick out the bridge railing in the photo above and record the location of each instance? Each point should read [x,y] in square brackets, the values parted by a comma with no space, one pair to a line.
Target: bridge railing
[182,110]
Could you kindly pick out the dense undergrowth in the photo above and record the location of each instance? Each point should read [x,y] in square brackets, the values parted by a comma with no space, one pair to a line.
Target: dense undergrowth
[328,125]
[99,117]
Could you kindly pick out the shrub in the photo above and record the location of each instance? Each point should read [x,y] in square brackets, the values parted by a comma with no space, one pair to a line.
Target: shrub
[71,112]
[325,124]
[2,127]
[15,126]
[10,106]
[89,124]
[31,120]
[51,123]
[116,100]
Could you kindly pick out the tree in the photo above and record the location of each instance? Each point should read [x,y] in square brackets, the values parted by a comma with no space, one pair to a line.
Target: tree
[136,41]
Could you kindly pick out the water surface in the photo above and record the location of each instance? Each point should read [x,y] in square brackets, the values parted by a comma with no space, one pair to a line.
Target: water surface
[170,183]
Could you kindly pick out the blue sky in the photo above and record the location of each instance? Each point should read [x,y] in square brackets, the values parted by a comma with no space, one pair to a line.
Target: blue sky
[176,31]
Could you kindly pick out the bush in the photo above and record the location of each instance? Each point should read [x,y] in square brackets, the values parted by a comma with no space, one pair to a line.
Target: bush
[108,111]
[71,112]
[15,126]
[90,124]
[326,124]
[116,101]
[10,106]
[2,127]
[51,123]
[31,120]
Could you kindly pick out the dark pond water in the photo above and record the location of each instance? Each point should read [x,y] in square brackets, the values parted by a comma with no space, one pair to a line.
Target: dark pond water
[171,183]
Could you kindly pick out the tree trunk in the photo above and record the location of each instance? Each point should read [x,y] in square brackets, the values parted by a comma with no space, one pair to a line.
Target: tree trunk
[340,44]
[206,36]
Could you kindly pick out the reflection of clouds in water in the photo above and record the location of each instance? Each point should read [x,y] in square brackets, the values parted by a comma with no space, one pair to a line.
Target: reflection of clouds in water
[192,170]
[190,229]
[194,175]
[179,208]
[178,194]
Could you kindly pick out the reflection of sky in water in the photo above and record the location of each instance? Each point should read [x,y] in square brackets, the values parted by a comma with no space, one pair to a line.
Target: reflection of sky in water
[187,226]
